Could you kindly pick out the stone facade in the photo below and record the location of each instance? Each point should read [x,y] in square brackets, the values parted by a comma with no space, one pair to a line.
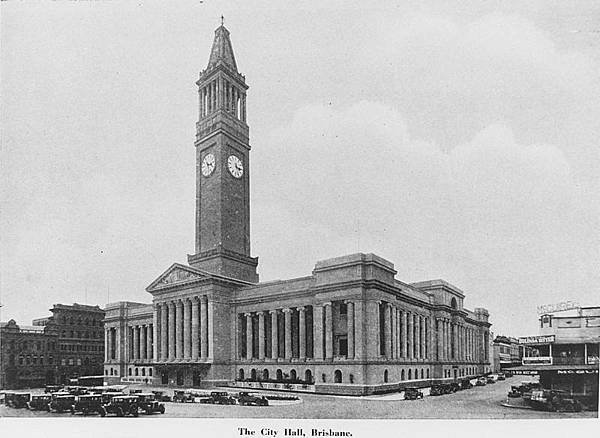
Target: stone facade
[350,327]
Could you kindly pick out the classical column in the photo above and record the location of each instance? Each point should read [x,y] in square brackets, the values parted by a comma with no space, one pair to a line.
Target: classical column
[210,308]
[318,331]
[387,331]
[394,332]
[404,334]
[350,312]
[203,327]
[171,330]
[195,328]
[164,332]
[187,322]
[261,335]
[302,332]
[288,333]
[274,335]
[136,342]
[149,341]
[106,345]
[328,331]
[418,328]
[411,336]
[248,335]
[179,329]
[142,346]
[155,332]
[421,338]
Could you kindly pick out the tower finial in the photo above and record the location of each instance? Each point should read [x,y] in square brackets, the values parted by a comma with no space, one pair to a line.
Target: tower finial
[222,19]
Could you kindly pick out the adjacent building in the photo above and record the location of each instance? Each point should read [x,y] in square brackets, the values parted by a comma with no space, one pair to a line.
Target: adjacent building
[54,349]
[565,353]
[349,327]
[508,353]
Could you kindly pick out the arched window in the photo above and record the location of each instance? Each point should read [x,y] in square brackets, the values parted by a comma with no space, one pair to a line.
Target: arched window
[253,375]
[241,374]
[351,378]
[402,375]
[265,374]
[130,371]
[111,371]
[409,374]
[416,373]
[453,303]
[144,372]
[279,375]
[293,375]
[308,377]
[337,376]
[106,372]
[385,376]
[136,372]
[323,377]
[422,374]
[428,373]
[150,371]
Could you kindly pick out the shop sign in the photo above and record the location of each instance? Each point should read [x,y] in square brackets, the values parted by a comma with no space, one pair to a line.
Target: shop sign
[537,360]
[524,372]
[536,339]
[577,371]
[558,307]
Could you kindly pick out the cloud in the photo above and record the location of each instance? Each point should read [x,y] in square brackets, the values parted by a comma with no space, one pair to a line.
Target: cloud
[487,213]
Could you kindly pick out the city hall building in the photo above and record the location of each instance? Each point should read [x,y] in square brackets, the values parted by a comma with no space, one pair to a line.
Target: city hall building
[348,327]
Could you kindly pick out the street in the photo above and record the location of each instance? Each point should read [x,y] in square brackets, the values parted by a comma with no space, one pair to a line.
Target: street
[475,403]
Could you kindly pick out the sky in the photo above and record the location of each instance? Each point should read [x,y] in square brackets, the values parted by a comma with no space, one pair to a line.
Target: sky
[458,140]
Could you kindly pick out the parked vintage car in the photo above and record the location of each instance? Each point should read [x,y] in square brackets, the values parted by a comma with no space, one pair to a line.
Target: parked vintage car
[514,392]
[436,390]
[108,396]
[123,405]
[76,390]
[88,404]
[181,396]
[62,402]
[221,398]
[135,391]
[553,400]
[466,384]
[455,386]
[147,403]
[251,399]
[481,381]
[501,376]
[161,396]
[490,379]
[39,402]
[412,394]
[17,400]
[53,388]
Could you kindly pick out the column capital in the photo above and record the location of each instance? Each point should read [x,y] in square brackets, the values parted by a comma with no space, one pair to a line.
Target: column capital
[301,308]
[247,314]
[287,310]
[204,298]
[326,303]
[273,312]
[349,301]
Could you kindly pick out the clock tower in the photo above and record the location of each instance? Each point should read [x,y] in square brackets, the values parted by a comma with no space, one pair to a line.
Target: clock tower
[222,168]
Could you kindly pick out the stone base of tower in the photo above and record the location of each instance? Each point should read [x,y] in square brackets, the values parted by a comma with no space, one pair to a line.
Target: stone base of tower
[226,263]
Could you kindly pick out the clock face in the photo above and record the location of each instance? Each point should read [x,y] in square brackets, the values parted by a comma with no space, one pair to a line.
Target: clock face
[208,164]
[235,166]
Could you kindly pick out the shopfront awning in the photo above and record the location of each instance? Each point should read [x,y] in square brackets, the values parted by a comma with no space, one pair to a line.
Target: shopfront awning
[559,369]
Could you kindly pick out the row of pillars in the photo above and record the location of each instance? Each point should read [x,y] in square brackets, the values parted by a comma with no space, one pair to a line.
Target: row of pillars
[456,341]
[183,329]
[221,94]
[405,335]
[140,341]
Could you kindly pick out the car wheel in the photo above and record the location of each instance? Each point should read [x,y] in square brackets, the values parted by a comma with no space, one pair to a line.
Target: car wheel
[102,412]
[119,412]
[161,409]
[135,412]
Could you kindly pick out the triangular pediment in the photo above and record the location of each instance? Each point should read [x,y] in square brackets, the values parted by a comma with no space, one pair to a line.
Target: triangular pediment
[176,274]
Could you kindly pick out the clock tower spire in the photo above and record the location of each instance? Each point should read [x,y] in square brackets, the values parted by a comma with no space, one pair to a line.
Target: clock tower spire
[222,168]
